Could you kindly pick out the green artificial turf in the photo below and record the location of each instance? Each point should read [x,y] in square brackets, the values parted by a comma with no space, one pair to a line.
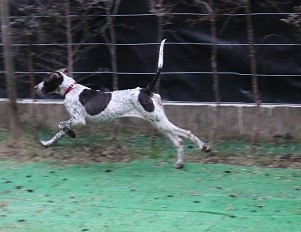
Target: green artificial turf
[147,195]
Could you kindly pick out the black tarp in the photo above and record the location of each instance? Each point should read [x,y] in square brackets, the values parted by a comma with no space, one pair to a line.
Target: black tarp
[187,73]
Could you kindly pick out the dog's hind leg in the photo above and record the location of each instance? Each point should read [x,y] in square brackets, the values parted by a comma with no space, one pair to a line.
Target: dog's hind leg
[161,122]
[177,141]
[188,135]
[174,133]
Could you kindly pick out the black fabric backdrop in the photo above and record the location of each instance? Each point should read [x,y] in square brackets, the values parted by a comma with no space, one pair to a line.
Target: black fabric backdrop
[187,74]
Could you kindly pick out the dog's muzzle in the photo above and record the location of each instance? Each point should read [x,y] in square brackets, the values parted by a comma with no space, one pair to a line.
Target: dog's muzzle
[39,88]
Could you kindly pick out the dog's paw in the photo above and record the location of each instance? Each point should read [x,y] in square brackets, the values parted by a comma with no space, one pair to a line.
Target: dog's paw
[179,165]
[45,143]
[206,148]
[71,133]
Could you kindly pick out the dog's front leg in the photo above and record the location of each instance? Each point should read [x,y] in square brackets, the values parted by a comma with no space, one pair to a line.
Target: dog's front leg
[66,126]
[73,122]
[65,130]
[55,138]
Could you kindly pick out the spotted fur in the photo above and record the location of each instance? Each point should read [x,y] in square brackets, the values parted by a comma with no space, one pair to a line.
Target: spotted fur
[94,101]
[84,104]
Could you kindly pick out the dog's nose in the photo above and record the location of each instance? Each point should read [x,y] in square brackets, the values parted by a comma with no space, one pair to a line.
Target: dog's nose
[37,88]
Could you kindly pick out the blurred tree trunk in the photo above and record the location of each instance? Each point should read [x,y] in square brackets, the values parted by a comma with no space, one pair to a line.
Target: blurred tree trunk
[69,36]
[156,7]
[30,67]
[111,9]
[9,70]
[113,53]
[109,35]
[163,13]
[211,15]
[159,39]
[214,71]
[252,55]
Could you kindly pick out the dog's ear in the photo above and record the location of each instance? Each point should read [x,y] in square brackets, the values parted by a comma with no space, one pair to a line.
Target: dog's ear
[54,75]
[65,71]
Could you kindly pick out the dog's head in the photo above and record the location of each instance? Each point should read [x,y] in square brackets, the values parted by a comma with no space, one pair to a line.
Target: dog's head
[52,81]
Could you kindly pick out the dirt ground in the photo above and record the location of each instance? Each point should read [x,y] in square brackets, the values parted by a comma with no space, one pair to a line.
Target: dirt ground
[114,152]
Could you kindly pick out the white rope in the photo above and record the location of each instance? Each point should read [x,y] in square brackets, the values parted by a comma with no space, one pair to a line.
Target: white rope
[150,14]
[149,44]
[168,73]
[167,103]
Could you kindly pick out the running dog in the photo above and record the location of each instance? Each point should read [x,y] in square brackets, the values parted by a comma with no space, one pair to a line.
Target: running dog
[85,104]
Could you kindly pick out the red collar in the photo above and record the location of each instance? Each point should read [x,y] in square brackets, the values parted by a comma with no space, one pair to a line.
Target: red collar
[70,88]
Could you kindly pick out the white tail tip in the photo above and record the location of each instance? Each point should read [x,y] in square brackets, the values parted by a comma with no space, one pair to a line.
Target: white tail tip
[160,61]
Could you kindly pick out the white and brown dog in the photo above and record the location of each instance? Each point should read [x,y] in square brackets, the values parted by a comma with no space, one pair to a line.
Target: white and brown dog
[83,104]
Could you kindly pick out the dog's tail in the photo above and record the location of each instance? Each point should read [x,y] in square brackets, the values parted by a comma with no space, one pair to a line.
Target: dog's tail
[150,87]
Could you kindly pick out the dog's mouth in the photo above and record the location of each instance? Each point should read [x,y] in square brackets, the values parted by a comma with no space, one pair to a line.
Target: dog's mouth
[42,89]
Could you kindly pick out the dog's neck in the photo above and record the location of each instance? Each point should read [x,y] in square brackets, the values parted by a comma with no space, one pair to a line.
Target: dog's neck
[67,85]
